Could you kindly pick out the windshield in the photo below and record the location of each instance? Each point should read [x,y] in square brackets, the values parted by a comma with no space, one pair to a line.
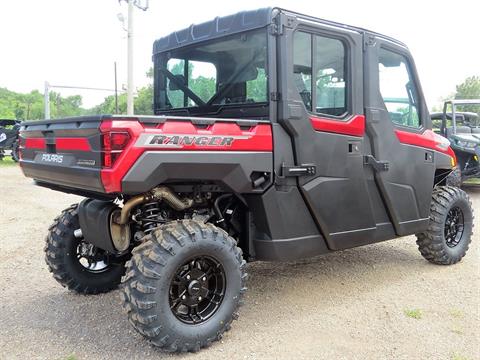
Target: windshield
[467,114]
[214,76]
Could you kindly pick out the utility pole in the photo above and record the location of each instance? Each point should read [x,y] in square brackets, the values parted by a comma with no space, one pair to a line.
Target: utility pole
[116,89]
[46,100]
[143,5]
[130,59]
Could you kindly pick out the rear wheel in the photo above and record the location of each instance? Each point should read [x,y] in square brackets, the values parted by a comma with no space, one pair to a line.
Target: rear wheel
[15,153]
[76,264]
[451,222]
[183,285]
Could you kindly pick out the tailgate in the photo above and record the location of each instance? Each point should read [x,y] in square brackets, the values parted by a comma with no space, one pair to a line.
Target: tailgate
[65,152]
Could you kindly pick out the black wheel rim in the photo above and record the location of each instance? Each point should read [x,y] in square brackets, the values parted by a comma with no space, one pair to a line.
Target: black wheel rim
[454,225]
[91,258]
[197,290]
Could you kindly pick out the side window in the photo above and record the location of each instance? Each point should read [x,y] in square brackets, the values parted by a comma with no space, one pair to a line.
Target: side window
[398,89]
[327,85]
[302,66]
[330,76]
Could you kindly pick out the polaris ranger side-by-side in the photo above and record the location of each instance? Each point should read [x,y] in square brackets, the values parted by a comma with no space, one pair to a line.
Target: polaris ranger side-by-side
[277,136]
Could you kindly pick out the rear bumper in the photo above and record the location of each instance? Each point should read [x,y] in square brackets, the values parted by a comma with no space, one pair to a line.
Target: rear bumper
[71,177]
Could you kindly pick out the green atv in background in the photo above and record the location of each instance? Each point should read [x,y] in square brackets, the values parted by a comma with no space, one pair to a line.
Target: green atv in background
[460,124]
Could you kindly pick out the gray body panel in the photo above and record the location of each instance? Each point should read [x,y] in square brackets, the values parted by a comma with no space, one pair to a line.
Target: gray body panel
[229,169]
[407,186]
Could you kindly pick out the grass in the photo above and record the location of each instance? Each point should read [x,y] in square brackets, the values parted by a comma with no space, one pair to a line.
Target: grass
[456,313]
[7,161]
[457,356]
[473,181]
[413,313]
[71,357]
[457,330]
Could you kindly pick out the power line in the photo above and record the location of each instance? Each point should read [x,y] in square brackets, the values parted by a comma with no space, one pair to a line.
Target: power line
[79,87]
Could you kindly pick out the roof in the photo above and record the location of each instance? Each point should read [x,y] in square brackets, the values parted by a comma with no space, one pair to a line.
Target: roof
[240,22]
[463,101]
[218,27]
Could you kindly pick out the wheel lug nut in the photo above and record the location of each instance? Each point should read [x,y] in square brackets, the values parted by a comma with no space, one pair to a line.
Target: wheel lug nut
[199,298]
[188,277]
[184,297]
[204,278]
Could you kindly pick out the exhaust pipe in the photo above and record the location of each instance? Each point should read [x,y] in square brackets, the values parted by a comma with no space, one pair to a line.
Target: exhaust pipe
[119,226]
[157,194]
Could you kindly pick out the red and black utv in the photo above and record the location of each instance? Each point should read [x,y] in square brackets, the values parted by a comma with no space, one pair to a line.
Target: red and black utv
[277,136]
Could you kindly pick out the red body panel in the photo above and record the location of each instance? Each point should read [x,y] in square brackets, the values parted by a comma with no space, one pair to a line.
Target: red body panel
[428,139]
[255,138]
[35,143]
[355,126]
[61,144]
[78,144]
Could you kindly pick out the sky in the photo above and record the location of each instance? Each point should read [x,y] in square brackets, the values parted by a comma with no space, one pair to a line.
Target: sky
[76,42]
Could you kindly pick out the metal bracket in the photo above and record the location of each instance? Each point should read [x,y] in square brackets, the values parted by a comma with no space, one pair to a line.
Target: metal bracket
[275,96]
[378,165]
[302,170]
[368,40]
[280,21]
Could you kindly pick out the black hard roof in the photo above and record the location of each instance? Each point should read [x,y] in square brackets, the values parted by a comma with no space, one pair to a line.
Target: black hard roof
[239,22]
[220,26]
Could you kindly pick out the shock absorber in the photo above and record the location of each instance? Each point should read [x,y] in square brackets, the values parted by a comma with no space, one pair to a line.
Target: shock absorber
[151,216]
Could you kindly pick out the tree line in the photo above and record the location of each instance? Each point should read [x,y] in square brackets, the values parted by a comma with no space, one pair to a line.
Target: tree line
[14,105]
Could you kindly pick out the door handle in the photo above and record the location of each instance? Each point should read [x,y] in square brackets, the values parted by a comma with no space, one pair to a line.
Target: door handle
[378,165]
[302,170]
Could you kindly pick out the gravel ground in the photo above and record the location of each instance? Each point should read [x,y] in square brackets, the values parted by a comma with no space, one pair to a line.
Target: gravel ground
[348,305]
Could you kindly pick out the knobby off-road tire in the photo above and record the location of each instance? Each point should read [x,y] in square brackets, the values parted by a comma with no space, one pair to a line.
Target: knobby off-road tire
[450,229]
[454,178]
[62,257]
[168,256]
[15,152]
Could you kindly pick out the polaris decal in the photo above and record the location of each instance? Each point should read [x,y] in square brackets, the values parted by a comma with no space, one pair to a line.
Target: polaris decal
[52,158]
[178,141]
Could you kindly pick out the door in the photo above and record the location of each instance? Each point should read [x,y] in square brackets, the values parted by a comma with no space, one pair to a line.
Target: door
[321,108]
[395,111]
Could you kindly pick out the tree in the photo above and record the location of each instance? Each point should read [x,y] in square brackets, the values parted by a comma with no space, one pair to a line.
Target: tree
[30,106]
[469,89]
[143,104]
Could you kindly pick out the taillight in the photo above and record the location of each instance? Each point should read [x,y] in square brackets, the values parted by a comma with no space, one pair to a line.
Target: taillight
[113,143]
[21,145]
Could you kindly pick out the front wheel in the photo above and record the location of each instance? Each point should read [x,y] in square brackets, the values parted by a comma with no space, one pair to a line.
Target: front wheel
[76,264]
[183,285]
[449,232]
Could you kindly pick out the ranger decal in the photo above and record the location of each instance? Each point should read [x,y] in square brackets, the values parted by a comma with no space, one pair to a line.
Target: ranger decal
[181,140]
